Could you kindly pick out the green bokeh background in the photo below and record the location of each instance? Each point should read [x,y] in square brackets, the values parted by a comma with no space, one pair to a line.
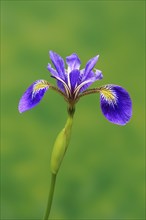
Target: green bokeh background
[102,175]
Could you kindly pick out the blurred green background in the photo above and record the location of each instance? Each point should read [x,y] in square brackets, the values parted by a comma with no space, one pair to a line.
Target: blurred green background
[102,175]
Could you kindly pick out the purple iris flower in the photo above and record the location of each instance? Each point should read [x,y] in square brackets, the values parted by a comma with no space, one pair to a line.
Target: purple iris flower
[73,83]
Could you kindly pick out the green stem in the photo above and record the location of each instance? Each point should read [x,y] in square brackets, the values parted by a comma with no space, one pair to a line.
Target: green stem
[50,198]
[59,149]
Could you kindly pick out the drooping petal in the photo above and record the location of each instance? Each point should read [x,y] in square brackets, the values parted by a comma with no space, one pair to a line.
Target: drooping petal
[73,62]
[58,64]
[74,78]
[33,95]
[90,65]
[116,104]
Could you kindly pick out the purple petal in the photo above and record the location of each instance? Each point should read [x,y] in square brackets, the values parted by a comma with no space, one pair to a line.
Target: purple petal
[85,84]
[58,64]
[90,79]
[98,74]
[74,78]
[60,82]
[33,95]
[90,65]
[60,85]
[52,70]
[73,62]
[116,104]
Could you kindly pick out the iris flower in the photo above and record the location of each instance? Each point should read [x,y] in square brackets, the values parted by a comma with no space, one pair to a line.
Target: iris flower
[73,83]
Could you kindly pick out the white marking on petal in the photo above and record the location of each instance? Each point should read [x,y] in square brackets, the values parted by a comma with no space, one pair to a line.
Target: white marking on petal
[66,87]
[76,91]
[68,79]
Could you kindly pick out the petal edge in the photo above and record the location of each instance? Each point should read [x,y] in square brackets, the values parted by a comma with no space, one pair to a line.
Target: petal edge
[116,104]
[33,95]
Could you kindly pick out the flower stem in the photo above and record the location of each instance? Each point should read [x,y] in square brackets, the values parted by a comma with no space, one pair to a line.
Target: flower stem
[59,149]
[50,198]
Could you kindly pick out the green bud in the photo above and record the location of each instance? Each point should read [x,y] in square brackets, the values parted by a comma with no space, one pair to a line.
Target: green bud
[60,146]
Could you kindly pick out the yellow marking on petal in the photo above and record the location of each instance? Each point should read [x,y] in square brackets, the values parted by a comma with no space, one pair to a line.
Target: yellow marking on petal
[108,94]
[42,84]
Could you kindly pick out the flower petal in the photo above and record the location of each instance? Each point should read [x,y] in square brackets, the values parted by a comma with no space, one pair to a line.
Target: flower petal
[90,65]
[85,84]
[98,74]
[116,104]
[73,62]
[52,70]
[33,95]
[60,82]
[58,63]
[74,78]
[61,86]
[92,77]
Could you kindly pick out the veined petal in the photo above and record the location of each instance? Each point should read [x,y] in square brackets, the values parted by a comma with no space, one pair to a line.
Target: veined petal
[60,82]
[62,85]
[84,85]
[52,70]
[90,65]
[98,74]
[116,104]
[73,62]
[90,79]
[74,78]
[33,95]
[58,64]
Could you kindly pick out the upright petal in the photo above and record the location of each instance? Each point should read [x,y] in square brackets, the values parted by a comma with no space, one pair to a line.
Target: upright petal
[90,65]
[98,74]
[33,95]
[116,104]
[74,77]
[52,70]
[85,84]
[58,64]
[90,79]
[73,62]
[61,83]
[61,86]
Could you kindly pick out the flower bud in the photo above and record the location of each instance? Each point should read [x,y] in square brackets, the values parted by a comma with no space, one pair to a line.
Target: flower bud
[61,145]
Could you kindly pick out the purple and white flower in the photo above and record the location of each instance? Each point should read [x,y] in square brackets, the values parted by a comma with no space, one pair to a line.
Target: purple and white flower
[73,83]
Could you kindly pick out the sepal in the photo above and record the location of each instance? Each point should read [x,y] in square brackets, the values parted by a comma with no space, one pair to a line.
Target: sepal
[116,104]
[33,95]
